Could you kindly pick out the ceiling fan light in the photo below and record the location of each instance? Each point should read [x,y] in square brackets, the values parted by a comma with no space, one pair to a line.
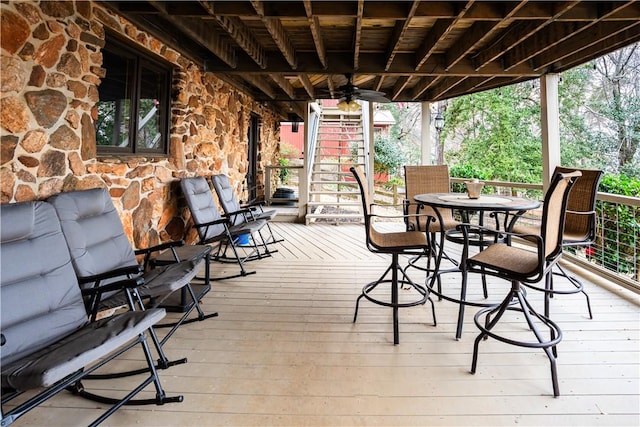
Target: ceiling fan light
[353,106]
[343,106]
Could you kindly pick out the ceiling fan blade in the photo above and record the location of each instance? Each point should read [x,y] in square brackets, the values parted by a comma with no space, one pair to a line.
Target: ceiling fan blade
[367,92]
[374,97]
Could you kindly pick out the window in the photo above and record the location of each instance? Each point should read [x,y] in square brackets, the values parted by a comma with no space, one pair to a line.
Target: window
[133,110]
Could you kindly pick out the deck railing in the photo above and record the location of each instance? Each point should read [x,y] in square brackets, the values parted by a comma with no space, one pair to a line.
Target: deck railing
[616,253]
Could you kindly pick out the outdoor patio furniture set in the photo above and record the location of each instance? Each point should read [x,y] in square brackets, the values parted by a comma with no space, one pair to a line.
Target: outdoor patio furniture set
[568,220]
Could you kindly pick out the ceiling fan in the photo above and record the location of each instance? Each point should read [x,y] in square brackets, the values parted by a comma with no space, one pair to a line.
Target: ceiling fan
[349,92]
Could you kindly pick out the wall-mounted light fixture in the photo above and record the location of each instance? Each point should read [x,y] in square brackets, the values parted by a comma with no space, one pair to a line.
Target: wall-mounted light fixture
[438,122]
[295,122]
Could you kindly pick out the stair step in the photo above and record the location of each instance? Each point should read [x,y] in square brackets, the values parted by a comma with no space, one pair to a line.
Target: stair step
[334,216]
[326,172]
[333,193]
[350,183]
[334,203]
[337,164]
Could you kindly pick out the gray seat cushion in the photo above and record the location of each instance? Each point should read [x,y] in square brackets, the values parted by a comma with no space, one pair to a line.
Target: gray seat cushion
[43,317]
[39,293]
[98,244]
[203,208]
[230,203]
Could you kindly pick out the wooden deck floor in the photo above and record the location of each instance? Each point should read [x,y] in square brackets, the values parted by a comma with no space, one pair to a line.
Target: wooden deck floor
[284,352]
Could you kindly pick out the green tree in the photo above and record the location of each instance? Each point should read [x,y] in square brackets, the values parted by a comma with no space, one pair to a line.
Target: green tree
[616,105]
[388,155]
[497,132]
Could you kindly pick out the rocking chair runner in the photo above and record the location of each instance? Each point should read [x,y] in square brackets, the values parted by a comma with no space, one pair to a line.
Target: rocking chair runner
[213,228]
[48,343]
[412,243]
[522,266]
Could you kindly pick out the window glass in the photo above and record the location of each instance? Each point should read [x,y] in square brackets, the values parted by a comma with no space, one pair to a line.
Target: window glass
[133,110]
[114,107]
[150,132]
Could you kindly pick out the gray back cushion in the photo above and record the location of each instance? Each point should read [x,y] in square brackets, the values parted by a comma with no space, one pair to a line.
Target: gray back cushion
[40,301]
[94,232]
[203,208]
[227,197]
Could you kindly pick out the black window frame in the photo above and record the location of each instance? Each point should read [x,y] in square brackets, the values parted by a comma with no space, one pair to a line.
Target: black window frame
[140,59]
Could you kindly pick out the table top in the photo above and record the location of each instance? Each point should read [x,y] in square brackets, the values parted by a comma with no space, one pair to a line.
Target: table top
[483,203]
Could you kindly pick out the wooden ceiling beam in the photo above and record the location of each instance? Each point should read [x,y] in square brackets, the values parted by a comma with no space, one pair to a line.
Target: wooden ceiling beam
[377,83]
[399,86]
[331,86]
[399,31]
[284,84]
[469,84]
[510,39]
[308,86]
[428,46]
[370,64]
[423,84]
[479,32]
[314,26]
[278,34]
[240,34]
[477,85]
[581,42]
[201,33]
[555,34]
[608,44]
[445,85]
[260,83]
[438,32]
[357,35]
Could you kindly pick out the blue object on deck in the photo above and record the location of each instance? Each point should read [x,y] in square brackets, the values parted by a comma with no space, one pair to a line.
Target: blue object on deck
[243,239]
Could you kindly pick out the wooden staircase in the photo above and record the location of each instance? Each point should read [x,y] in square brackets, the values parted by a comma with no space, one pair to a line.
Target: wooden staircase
[333,192]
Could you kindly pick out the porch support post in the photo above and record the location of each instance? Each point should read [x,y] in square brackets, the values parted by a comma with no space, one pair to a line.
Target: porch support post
[550,122]
[426,145]
[303,185]
[371,148]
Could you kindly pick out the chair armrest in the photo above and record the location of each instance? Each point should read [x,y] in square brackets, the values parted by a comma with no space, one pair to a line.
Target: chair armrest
[223,220]
[255,205]
[115,286]
[160,247]
[247,214]
[148,251]
[122,271]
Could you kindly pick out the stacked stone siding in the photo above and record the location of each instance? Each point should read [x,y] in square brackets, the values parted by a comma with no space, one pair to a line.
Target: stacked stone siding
[51,67]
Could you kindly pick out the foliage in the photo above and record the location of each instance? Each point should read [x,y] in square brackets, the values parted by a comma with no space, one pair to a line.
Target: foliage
[284,172]
[388,155]
[619,226]
[289,150]
[394,181]
[497,133]
[615,103]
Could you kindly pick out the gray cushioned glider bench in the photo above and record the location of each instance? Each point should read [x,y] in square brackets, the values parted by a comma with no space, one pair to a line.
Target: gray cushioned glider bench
[48,342]
[101,253]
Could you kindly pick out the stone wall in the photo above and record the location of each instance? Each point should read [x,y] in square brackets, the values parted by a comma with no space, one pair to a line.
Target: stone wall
[50,72]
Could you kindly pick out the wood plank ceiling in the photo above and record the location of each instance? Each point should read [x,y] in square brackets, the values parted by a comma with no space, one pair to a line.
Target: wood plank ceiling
[289,52]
